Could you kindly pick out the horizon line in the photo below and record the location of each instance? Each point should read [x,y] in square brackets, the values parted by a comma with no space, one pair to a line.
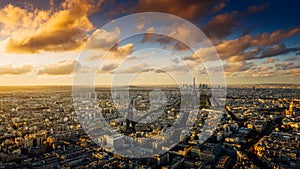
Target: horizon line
[68,85]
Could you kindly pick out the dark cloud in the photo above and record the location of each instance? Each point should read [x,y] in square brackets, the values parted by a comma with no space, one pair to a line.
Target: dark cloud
[188,9]
[166,41]
[274,50]
[245,55]
[278,50]
[274,37]
[287,66]
[161,39]
[294,58]
[247,47]
[221,25]
[179,46]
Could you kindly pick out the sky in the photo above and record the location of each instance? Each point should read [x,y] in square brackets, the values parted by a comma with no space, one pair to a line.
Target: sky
[53,42]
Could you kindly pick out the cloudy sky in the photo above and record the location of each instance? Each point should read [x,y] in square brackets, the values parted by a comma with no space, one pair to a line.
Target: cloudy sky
[41,41]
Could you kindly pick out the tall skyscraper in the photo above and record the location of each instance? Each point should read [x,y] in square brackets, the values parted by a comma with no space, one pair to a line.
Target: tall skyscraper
[130,124]
[194,84]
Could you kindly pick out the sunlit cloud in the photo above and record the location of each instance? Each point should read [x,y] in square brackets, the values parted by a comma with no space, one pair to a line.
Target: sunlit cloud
[103,40]
[64,67]
[62,30]
[10,69]
[105,44]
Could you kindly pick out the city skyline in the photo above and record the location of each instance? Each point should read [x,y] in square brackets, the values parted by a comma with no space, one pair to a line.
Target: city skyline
[40,42]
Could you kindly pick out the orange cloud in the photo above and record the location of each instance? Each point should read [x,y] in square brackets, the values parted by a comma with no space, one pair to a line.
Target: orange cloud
[274,37]
[248,47]
[239,47]
[12,70]
[233,47]
[63,30]
[15,20]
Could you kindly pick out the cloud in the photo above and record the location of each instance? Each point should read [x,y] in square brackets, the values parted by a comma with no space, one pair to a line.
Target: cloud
[165,40]
[63,67]
[256,8]
[287,66]
[278,50]
[256,72]
[233,47]
[134,68]
[280,69]
[116,53]
[270,60]
[173,36]
[123,51]
[175,68]
[15,20]
[273,51]
[13,70]
[161,39]
[225,21]
[293,58]
[107,44]
[228,21]
[245,55]
[62,30]
[140,24]
[202,55]
[145,67]
[108,67]
[191,10]
[179,46]
[249,47]
[246,48]
[104,40]
[274,37]
[239,46]
[237,66]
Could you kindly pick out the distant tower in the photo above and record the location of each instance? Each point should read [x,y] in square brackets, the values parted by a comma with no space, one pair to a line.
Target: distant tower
[194,84]
[130,124]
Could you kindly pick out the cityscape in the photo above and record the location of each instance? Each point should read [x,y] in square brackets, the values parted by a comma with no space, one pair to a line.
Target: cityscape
[149,84]
[259,128]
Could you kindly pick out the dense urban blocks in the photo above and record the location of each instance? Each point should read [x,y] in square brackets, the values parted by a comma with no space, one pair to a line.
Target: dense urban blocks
[39,129]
